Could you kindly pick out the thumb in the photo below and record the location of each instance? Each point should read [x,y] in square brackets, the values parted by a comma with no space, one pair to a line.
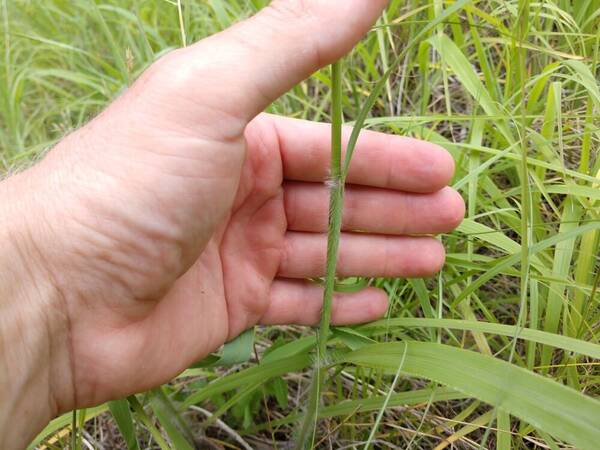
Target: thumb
[246,67]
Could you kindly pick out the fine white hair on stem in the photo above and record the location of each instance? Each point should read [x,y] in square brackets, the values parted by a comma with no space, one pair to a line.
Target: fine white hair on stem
[332,183]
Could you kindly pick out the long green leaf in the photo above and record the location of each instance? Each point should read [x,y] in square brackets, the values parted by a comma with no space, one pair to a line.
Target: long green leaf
[463,69]
[514,259]
[542,402]
[351,407]
[122,415]
[528,334]
[376,90]
[260,373]
[170,420]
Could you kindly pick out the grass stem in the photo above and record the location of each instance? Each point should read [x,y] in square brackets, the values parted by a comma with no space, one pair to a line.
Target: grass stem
[336,200]
[181,24]
[335,206]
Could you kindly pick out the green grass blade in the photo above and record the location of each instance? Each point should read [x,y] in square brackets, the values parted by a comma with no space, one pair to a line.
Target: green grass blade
[561,267]
[362,405]
[503,432]
[62,422]
[385,402]
[460,65]
[261,373]
[122,415]
[554,340]
[336,206]
[170,420]
[514,259]
[544,403]
[144,419]
[376,90]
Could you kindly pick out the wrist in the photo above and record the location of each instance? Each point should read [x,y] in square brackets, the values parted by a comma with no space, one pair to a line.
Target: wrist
[35,373]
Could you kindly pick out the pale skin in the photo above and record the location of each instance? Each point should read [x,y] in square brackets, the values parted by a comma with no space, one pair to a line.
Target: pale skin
[181,216]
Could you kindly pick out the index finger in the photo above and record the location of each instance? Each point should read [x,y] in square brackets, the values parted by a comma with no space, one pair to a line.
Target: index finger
[380,160]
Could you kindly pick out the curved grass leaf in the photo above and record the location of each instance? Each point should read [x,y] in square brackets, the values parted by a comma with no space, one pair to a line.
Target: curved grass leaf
[64,421]
[351,407]
[257,374]
[458,62]
[586,78]
[514,259]
[545,404]
[528,334]
[293,348]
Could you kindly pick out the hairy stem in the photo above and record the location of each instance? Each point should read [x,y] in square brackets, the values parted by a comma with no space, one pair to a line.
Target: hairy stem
[335,207]
[336,199]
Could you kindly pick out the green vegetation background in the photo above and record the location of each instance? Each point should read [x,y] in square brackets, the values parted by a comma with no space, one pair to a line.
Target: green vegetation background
[484,351]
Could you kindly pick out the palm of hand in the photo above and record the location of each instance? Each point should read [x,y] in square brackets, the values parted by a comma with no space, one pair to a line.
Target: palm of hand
[178,308]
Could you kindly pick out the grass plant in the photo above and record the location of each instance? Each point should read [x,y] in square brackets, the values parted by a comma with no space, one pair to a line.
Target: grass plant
[502,350]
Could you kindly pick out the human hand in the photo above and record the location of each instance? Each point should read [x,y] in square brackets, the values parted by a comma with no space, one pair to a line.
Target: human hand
[181,216]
